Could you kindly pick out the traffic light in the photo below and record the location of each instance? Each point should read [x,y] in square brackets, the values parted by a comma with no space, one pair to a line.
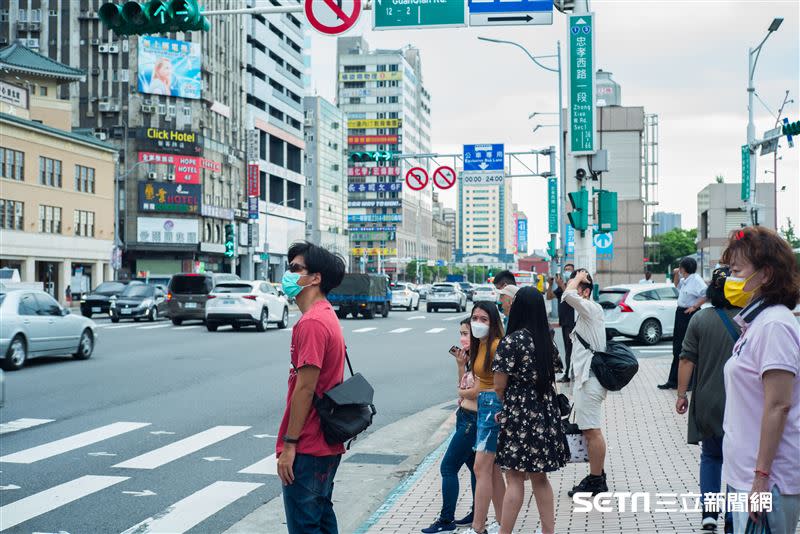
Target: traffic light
[606,211]
[552,247]
[378,155]
[792,128]
[155,16]
[230,241]
[579,218]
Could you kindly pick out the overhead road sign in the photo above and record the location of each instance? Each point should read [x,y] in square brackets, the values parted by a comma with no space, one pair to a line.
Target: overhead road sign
[417,178]
[332,17]
[482,178]
[444,177]
[581,77]
[409,15]
[487,157]
[510,12]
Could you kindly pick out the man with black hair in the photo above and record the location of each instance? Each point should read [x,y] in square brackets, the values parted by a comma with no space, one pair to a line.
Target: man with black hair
[566,315]
[691,295]
[307,464]
[503,279]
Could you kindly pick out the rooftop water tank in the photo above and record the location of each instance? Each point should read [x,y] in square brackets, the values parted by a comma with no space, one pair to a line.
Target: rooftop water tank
[609,93]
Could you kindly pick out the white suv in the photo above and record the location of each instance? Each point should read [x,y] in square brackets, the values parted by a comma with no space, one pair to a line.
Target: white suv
[646,311]
[246,303]
[446,295]
[485,293]
[405,296]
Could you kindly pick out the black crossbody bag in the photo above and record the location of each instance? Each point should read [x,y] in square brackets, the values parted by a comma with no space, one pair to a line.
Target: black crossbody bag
[346,410]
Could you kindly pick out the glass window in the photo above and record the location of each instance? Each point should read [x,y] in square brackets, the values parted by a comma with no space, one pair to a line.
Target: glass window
[667,293]
[233,288]
[28,306]
[47,305]
[610,298]
[646,296]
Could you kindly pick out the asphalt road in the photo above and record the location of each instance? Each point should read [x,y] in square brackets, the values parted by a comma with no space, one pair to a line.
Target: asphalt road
[173,428]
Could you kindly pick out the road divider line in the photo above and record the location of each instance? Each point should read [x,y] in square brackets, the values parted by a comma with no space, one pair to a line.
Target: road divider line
[173,451]
[54,448]
[188,327]
[267,466]
[197,507]
[118,326]
[40,503]
[165,325]
[416,318]
[21,424]
[434,330]
[399,330]
[456,318]
[361,330]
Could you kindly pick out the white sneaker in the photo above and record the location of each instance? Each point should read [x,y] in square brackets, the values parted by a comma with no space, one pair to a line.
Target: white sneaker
[709,523]
[473,531]
[493,528]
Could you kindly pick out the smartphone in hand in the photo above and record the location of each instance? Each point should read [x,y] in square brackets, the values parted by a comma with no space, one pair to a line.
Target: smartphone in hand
[453,350]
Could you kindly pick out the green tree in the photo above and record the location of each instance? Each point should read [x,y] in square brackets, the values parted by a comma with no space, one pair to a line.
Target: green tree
[411,271]
[790,235]
[674,245]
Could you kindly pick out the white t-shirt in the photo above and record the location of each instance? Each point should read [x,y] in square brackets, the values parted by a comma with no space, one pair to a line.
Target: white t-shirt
[590,324]
[690,290]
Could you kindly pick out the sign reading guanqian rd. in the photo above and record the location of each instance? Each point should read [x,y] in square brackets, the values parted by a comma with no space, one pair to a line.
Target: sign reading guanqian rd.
[412,14]
[581,84]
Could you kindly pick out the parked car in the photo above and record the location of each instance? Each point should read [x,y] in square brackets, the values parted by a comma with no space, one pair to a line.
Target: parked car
[446,295]
[279,289]
[468,289]
[484,292]
[139,302]
[646,311]
[404,296]
[188,293]
[99,300]
[33,324]
[246,303]
[423,290]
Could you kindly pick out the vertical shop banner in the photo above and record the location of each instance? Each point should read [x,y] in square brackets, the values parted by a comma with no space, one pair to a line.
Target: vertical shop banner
[169,67]
[252,180]
[252,207]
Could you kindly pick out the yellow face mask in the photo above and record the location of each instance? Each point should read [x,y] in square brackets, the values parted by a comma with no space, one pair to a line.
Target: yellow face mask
[735,293]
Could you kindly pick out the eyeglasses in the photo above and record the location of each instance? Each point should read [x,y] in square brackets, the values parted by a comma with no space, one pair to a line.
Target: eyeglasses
[296,268]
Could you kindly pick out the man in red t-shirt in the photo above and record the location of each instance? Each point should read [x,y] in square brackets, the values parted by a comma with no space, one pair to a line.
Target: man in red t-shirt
[306,462]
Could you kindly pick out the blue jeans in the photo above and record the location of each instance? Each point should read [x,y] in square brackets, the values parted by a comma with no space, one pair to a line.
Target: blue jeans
[488,429]
[783,519]
[307,501]
[711,471]
[459,453]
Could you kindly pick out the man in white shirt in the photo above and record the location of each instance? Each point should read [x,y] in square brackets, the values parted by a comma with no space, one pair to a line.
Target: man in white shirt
[588,393]
[648,278]
[691,295]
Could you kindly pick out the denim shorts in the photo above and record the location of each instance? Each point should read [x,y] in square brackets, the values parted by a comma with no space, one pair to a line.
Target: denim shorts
[488,406]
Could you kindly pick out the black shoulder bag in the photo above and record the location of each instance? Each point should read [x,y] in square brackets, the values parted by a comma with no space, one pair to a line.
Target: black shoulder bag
[346,410]
[613,367]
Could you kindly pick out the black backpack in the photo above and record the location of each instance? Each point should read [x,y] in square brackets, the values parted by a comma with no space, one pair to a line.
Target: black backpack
[346,410]
[613,367]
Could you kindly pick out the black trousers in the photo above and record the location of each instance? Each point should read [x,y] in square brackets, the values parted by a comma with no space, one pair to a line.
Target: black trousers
[681,324]
[565,333]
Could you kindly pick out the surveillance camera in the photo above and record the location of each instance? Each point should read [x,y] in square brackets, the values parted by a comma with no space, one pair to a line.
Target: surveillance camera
[580,174]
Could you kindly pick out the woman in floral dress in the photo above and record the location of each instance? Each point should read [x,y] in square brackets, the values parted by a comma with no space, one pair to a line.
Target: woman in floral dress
[531,441]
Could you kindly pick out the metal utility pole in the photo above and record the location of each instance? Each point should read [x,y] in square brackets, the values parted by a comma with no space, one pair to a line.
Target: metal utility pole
[786,100]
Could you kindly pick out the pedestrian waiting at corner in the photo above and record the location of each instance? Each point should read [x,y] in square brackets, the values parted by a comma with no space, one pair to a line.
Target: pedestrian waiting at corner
[706,348]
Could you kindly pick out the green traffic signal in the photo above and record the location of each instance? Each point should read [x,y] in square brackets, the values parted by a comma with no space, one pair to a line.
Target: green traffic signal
[552,247]
[155,16]
[606,211]
[579,219]
[379,155]
[792,128]
[230,241]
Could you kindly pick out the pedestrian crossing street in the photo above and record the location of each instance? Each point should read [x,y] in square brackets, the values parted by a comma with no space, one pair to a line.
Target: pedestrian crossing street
[180,516]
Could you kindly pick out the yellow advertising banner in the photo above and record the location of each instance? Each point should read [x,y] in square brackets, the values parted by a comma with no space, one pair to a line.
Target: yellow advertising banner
[373,251]
[373,123]
[370,76]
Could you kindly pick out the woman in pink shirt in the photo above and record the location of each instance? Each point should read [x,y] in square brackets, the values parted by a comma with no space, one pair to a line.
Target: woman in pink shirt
[761,449]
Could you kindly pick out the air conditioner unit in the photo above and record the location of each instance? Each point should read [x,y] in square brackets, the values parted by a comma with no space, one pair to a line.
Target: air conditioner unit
[243,205]
[22,26]
[104,106]
[33,43]
[171,177]
[94,42]
[229,159]
[103,49]
[101,135]
[147,108]
[3,40]
[113,49]
[152,175]
[34,26]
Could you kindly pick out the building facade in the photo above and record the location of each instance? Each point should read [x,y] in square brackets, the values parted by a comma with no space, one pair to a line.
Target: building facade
[665,221]
[56,187]
[720,210]
[326,174]
[485,225]
[388,110]
[442,231]
[449,215]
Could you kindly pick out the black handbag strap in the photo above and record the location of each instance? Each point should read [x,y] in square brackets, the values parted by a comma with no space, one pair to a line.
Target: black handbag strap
[347,359]
[584,343]
[728,324]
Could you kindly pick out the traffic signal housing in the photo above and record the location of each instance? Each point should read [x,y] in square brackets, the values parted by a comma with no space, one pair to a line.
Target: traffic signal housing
[155,16]
[378,155]
[552,247]
[792,128]
[579,217]
[606,211]
[230,241]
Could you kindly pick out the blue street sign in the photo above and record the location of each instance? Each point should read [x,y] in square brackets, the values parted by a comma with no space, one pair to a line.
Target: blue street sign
[510,12]
[509,6]
[604,246]
[440,263]
[570,240]
[788,137]
[489,157]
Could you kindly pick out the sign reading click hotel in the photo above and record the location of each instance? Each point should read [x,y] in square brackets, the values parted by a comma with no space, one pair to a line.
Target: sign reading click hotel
[581,84]
[174,141]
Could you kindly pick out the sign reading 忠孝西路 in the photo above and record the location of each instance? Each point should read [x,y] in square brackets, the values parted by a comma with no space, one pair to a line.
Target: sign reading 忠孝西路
[581,84]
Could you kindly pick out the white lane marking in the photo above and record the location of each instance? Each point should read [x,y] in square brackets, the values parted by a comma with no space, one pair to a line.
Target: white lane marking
[145,493]
[70,443]
[188,512]
[368,329]
[160,432]
[434,330]
[117,327]
[267,466]
[459,317]
[292,315]
[40,503]
[416,317]
[102,453]
[187,327]
[262,436]
[178,449]
[9,487]
[216,459]
[289,330]
[165,325]
[21,424]
[399,330]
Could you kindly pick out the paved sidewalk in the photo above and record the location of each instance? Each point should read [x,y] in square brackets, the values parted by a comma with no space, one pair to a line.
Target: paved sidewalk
[647,452]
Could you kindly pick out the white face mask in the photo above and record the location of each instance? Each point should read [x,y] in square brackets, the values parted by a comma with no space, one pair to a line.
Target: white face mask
[479,330]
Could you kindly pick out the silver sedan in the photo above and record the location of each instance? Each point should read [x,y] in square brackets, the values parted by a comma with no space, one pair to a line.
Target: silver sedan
[33,324]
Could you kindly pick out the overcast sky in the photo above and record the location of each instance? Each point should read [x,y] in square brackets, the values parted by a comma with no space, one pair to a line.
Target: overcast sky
[684,60]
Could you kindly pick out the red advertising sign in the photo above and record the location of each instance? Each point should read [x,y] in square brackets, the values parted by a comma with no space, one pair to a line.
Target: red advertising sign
[417,178]
[373,171]
[331,17]
[372,139]
[187,168]
[253,189]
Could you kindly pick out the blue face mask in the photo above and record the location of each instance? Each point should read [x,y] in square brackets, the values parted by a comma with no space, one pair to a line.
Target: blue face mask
[289,283]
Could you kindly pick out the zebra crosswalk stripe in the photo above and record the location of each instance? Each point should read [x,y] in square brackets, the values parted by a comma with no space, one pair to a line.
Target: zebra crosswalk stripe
[40,503]
[399,330]
[434,330]
[267,466]
[21,424]
[188,512]
[360,330]
[154,326]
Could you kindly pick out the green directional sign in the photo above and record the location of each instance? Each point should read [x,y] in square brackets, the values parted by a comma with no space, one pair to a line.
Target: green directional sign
[745,172]
[410,14]
[581,84]
[552,205]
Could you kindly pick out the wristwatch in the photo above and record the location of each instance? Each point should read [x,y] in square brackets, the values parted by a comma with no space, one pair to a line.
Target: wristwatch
[293,441]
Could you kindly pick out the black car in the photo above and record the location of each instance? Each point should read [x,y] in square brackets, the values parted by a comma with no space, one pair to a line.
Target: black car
[468,289]
[99,300]
[139,302]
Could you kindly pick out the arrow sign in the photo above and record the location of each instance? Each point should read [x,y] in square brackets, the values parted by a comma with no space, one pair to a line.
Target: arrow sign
[145,493]
[101,454]
[9,487]
[216,459]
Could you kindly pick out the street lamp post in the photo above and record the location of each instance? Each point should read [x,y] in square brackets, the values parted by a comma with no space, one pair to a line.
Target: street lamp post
[563,167]
[752,58]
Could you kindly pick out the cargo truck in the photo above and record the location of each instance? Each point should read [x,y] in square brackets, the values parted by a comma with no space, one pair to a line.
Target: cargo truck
[364,294]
